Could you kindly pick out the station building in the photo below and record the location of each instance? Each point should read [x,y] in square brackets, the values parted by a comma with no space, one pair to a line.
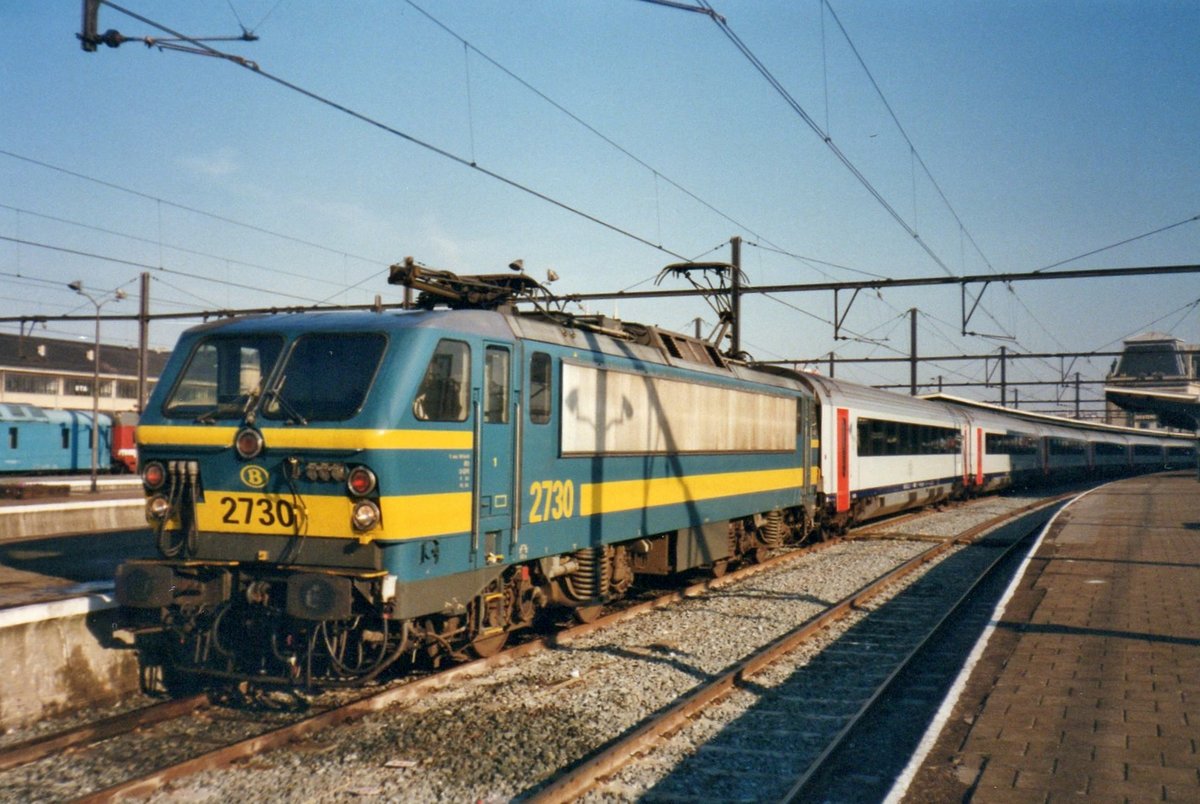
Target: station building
[1155,382]
[57,373]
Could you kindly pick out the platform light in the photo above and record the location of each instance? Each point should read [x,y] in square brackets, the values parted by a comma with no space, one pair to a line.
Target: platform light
[117,295]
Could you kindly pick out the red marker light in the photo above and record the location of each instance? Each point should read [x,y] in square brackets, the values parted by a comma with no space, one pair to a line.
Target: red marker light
[154,474]
[249,443]
[360,481]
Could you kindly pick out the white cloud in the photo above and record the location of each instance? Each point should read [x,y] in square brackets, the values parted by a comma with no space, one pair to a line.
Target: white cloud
[222,162]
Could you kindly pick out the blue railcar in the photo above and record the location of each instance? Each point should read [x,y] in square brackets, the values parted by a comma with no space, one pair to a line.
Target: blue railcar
[37,440]
[334,492]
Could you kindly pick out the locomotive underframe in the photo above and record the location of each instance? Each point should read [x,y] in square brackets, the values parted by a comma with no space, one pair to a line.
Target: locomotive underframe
[315,626]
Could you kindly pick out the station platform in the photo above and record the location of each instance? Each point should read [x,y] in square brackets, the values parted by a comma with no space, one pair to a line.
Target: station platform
[1089,682]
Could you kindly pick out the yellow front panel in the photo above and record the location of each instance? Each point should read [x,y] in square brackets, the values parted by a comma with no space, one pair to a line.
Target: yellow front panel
[275,514]
[404,517]
[626,495]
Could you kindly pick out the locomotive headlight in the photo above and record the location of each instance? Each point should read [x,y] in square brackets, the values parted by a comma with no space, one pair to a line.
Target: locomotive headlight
[154,474]
[158,508]
[360,481]
[249,443]
[365,515]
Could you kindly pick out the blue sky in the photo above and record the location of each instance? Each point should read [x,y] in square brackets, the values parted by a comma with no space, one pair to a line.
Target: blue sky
[1053,129]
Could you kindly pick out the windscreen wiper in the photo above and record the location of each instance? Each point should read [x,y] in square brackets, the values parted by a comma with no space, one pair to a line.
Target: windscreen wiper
[290,412]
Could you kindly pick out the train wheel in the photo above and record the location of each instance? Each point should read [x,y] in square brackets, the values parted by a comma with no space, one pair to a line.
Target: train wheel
[587,614]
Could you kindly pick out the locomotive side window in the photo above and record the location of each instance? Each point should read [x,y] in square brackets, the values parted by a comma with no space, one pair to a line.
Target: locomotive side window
[222,377]
[326,377]
[495,384]
[539,388]
[12,437]
[442,396]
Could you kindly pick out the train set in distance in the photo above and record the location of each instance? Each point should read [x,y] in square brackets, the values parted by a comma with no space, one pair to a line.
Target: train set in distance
[337,494]
[41,441]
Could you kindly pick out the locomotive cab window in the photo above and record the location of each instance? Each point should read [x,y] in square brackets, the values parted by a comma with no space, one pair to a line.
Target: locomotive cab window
[442,396]
[495,384]
[326,377]
[223,377]
[539,388]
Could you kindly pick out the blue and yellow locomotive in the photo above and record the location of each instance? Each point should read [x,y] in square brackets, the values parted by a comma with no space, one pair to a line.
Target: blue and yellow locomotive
[336,493]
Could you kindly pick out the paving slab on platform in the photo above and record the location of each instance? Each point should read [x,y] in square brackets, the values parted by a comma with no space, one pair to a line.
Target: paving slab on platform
[1090,683]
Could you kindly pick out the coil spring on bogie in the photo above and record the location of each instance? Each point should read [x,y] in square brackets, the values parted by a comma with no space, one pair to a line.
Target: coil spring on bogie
[774,529]
[593,577]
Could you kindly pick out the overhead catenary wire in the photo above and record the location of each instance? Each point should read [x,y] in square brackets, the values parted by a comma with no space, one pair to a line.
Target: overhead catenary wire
[583,123]
[150,267]
[389,129]
[184,207]
[659,238]
[173,247]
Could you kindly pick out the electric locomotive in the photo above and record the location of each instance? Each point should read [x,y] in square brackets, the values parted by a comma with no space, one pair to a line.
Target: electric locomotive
[336,493]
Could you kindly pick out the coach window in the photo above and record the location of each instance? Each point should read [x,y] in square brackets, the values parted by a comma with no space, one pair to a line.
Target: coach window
[442,396]
[495,383]
[539,388]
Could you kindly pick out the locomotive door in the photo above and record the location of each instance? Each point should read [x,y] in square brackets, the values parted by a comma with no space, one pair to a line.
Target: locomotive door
[494,422]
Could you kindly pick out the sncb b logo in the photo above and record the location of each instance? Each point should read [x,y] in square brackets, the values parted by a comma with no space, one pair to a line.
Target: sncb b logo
[254,476]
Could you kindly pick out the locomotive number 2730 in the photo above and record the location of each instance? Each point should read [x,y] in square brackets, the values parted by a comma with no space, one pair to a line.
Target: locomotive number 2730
[263,511]
[552,499]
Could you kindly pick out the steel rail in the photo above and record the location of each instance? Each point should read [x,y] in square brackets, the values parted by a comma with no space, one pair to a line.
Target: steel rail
[411,691]
[585,775]
[799,789]
[41,747]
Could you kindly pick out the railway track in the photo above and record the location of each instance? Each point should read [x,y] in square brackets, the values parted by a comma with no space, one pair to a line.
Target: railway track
[840,746]
[240,734]
[267,733]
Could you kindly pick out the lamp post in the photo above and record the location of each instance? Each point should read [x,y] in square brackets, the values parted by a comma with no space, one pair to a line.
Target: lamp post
[77,286]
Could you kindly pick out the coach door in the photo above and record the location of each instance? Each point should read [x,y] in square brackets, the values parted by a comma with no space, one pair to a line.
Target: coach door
[494,422]
[843,459]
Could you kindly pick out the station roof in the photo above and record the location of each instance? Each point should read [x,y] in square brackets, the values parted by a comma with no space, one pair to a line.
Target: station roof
[32,353]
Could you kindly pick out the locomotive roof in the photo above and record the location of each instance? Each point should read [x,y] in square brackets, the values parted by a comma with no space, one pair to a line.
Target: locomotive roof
[649,345]
[477,322]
